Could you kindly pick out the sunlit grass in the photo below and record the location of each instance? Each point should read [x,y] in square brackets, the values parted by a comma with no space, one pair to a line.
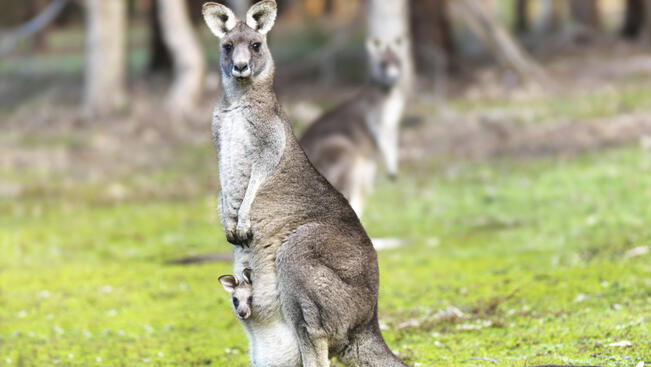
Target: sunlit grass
[586,106]
[534,254]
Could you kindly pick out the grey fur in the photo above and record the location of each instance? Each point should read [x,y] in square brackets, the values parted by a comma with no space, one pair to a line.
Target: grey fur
[291,227]
[346,143]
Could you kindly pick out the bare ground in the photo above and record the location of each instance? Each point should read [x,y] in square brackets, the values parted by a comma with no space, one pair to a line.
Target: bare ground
[45,132]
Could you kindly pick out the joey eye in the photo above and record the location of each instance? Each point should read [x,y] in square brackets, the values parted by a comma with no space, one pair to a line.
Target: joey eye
[256,46]
[227,47]
[249,300]
[235,302]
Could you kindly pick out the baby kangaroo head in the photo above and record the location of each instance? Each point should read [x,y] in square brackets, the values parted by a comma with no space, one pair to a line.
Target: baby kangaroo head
[241,292]
[384,60]
[245,56]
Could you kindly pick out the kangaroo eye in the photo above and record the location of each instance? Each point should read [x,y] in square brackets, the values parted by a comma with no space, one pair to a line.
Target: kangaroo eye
[256,46]
[250,300]
[227,47]
[235,302]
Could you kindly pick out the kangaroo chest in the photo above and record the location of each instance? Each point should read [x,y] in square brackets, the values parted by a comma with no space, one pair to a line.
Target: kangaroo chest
[235,145]
[383,117]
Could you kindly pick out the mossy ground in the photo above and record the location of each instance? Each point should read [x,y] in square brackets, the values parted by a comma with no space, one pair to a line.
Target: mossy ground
[535,254]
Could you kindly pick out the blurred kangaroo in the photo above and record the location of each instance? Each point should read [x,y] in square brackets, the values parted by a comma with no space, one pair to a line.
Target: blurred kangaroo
[346,143]
[287,222]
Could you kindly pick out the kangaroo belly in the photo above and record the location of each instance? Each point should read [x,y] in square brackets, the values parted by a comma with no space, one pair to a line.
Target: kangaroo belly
[275,345]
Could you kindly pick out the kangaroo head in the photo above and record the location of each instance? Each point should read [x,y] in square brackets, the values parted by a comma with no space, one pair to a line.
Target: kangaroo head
[241,292]
[384,60]
[245,57]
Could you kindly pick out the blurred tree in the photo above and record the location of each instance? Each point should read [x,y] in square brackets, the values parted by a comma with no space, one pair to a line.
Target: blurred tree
[194,8]
[488,29]
[40,38]
[388,20]
[104,84]
[329,7]
[552,15]
[647,19]
[633,19]
[187,55]
[33,27]
[586,13]
[521,16]
[160,59]
[239,7]
[432,34]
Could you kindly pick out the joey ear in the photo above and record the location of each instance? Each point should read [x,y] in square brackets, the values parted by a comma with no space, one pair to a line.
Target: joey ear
[228,282]
[246,274]
[261,16]
[219,18]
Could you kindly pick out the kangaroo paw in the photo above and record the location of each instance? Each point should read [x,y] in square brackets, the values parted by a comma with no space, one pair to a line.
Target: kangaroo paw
[243,232]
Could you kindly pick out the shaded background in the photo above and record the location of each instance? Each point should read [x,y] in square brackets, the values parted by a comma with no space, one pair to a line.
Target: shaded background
[522,207]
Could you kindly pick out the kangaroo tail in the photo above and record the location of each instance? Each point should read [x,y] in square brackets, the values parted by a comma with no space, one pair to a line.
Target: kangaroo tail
[368,349]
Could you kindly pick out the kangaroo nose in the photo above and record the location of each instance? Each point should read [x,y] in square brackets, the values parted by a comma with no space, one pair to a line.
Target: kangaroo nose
[241,67]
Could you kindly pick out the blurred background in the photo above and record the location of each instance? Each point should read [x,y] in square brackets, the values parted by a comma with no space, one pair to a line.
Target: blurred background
[521,212]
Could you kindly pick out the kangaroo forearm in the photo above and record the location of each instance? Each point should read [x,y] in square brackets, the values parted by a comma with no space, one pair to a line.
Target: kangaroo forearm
[249,195]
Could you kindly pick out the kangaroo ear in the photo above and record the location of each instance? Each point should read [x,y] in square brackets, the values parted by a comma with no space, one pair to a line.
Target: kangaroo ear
[261,16]
[219,18]
[228,282]
[246,274]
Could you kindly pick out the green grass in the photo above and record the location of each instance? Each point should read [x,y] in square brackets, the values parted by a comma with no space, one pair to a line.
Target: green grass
[632,96]
[532,252]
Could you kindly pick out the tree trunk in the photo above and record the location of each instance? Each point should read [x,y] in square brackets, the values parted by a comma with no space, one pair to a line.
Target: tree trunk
[647,19]
[552,15]
[432,34]
[187,56]
[633,19]
[104,89]
[485,27]
[586,13]
[194,8]
[160,58]
[522,16]
[240,7]
[388,20]
[329,7]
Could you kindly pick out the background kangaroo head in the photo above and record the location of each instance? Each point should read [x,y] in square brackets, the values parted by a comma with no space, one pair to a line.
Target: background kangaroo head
[241,292]
[245,56]
[384,60]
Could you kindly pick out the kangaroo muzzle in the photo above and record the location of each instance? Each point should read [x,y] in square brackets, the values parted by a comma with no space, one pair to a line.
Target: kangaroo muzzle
[241,61]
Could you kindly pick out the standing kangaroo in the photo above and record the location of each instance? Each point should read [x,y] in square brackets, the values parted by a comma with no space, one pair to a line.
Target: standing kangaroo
[346,143]
[293,228]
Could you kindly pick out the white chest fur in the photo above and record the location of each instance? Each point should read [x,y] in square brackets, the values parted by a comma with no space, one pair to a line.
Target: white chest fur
[384,121]
[234,143]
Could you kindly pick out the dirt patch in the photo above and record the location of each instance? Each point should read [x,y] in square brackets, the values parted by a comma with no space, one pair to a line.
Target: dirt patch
[481,138]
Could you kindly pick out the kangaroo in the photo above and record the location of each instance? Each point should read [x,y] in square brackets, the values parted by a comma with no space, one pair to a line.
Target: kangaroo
[346,143]
[272,342]
[276,208]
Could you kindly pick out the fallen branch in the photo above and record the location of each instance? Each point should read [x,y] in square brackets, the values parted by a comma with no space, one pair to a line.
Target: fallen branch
[201,259]
[32,27]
